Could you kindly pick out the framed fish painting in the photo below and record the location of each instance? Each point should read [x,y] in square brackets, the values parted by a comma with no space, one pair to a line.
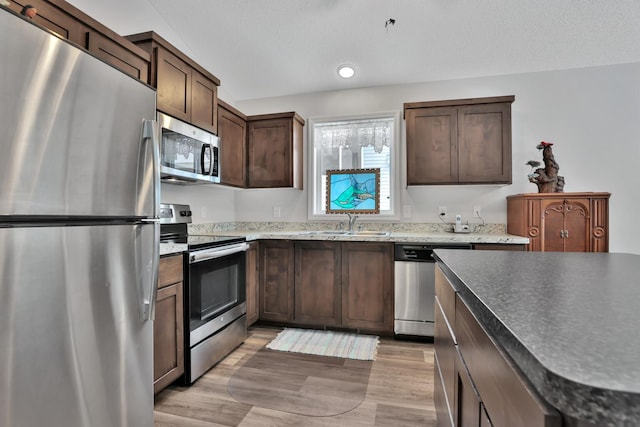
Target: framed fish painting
[355,191]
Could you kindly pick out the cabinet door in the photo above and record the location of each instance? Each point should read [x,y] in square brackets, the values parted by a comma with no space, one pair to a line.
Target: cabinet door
[232,131]
[270,153]
[55,19]
[576,225]
[467,406]
[367,286]
[168,343]
[204,102]
[276,280]
[566,225]
[114,54]
[553,225]
[444,354]
[317,283]
[432,148]
[484,143]
[173,84]
[253,288]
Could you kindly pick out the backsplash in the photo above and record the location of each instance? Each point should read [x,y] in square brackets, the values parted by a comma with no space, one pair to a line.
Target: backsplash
[212,228]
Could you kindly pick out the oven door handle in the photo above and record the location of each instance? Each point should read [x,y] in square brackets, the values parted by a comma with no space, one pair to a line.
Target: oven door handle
[205,254]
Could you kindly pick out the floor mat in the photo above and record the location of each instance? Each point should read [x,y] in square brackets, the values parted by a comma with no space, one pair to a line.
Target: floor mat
[300,383]
[326,343]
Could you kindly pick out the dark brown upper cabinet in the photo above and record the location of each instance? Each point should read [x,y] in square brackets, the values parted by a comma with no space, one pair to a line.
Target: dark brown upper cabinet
[79,28]
[463,141]
[274,157]
[186,90]
[232,130]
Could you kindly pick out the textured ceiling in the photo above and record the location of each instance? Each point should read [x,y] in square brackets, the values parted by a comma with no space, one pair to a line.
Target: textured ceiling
[266,48]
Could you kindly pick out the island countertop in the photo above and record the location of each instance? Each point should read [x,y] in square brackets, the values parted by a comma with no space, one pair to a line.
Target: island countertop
[568,320]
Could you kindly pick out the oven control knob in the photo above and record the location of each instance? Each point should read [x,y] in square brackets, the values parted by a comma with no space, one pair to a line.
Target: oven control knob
[185,213]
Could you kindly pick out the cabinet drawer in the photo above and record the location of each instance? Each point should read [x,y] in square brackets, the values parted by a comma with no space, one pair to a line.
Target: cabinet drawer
[170,270]
[447,298]
[506,395]
[445,356]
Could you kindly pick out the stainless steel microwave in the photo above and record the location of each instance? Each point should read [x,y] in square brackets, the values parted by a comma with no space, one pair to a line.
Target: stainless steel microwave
[188,154]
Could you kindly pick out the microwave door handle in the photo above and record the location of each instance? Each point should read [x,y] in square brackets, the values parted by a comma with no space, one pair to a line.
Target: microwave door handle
[215,162]
[205,147]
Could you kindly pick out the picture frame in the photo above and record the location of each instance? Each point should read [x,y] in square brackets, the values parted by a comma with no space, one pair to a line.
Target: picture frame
[353,191]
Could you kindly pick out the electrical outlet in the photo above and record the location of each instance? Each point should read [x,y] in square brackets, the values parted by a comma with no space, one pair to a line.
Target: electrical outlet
[442,210]
[203,212]
[276,211]
[406,211]
[477,212]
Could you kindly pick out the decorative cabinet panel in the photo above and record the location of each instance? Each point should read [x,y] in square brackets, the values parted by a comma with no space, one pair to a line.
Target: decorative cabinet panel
[74,25]
[168,326]
[252,280]
[464,141]
[561,222]
[276,280]
[232,130]
[274,150]
[185,90]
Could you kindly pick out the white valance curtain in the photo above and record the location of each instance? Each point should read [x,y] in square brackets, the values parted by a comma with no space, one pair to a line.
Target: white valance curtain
[355,134]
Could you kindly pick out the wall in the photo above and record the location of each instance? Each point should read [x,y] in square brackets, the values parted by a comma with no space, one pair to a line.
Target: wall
[589,113]
[209,203]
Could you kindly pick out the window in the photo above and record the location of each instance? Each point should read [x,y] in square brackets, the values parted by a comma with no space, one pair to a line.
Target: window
[353,143]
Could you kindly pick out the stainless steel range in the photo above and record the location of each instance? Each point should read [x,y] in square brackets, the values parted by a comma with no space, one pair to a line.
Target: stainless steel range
[215,296]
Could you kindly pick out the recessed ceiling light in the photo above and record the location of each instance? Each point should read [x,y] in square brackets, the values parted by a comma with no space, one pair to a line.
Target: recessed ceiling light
[346,71]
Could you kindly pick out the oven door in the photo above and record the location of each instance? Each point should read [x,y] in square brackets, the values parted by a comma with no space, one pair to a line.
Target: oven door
[217,293]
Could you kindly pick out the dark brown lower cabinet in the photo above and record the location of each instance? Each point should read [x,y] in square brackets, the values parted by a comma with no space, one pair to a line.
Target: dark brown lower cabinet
[276,280]
[335,284]
[467,405]
[488,388]
[317,283]
[367,285]
[253,288]
[168,329]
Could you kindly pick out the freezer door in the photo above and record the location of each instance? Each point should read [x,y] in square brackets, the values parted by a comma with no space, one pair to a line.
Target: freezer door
[74,350]
[72,130]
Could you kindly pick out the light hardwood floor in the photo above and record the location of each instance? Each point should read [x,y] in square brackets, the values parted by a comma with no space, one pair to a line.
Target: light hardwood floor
[399,393]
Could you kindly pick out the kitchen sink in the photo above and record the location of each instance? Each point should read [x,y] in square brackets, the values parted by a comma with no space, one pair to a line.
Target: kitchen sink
[348,233]
[327,233]
[369,233]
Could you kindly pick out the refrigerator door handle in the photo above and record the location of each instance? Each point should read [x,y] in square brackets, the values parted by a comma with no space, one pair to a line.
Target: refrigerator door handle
[149,283]
[150,178]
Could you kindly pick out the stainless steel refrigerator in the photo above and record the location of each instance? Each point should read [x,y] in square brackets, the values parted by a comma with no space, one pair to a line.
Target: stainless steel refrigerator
[79,187]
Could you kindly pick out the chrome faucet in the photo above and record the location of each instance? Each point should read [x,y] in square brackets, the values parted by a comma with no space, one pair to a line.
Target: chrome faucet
[352,221]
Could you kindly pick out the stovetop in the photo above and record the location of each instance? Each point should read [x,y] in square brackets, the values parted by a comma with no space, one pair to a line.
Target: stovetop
[173,229]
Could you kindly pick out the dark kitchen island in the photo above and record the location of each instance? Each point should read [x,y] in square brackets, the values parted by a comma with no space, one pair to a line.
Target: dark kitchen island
[566,324]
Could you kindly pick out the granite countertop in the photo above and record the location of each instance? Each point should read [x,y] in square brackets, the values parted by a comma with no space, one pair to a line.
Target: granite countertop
[172,248]
[430,237]
[568,320]
[400,237]
[395,232]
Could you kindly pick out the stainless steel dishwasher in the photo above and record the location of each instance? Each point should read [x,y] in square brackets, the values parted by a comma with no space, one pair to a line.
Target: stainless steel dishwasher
[414,274]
